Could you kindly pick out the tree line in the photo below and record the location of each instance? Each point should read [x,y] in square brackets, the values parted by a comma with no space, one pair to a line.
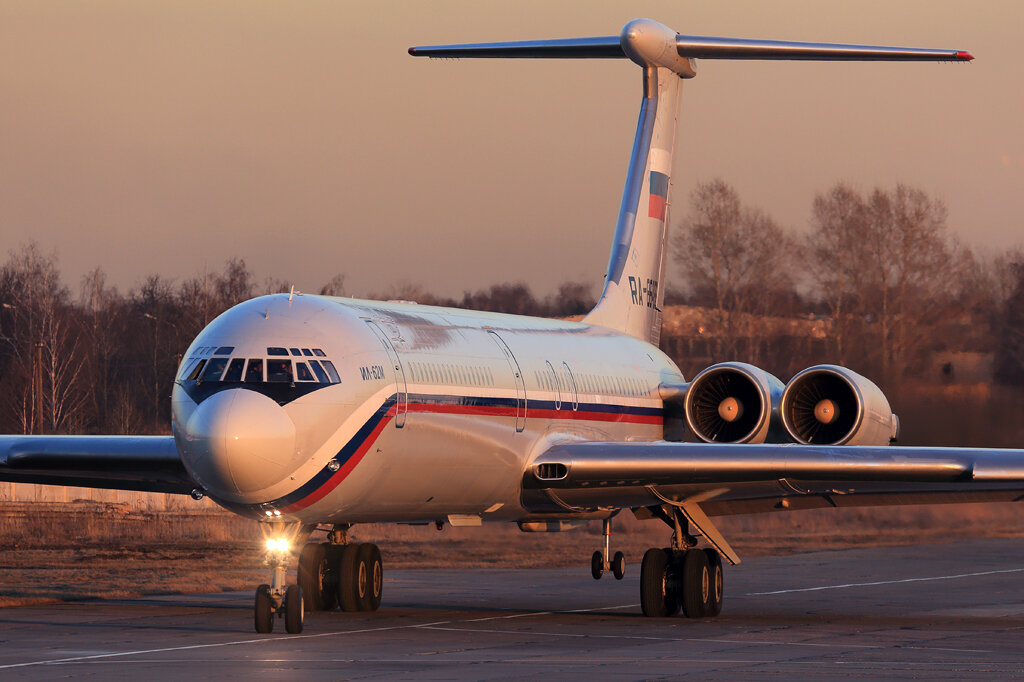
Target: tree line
[880,268]
[887,283]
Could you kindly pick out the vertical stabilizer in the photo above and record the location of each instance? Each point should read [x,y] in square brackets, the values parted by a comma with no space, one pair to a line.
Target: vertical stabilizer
[634,286]
[633,290]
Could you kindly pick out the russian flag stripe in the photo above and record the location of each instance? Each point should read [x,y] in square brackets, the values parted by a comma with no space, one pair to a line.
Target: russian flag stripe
[659,195]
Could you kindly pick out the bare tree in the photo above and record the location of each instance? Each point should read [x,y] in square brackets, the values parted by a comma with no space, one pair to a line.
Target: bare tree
[836,251]
[913,267]
[235,285]
[42,339]
[334,287]
[736,259]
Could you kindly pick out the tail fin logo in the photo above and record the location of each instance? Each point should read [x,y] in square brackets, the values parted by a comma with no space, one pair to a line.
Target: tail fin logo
[659,195]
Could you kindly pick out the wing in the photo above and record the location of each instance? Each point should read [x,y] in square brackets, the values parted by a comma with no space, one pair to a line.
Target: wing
[148,463]
[693,480]
[740,479]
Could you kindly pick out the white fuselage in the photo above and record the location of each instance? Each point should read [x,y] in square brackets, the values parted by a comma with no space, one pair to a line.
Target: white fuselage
[436,412]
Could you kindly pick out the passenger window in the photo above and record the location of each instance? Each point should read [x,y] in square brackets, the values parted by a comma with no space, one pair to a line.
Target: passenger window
[234,372]
[214,368]
[307,352]
[302,372]
[195,373]
[279,371]
[319,371]
[277,352]
[329,366]
[254,372]
[295,351]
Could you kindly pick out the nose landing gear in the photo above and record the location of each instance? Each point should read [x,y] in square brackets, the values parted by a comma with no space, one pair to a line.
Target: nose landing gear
[278,599]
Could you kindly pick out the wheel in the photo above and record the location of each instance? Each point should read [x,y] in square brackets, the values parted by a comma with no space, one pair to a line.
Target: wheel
[696,584]
[369,555]
[293,610]
[717,587]
[655,589]
[313,571]
[597,564]
[673,579]
[349,570]
[263,611]
[330,584]
[619,565]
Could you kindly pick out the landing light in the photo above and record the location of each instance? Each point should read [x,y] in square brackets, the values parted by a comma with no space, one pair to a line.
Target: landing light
[277,545]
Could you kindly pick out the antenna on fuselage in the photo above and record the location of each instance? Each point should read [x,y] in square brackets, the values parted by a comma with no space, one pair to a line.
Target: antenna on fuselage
[634,290]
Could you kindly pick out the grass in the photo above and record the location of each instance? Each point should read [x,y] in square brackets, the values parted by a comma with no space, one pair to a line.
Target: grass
[59,552]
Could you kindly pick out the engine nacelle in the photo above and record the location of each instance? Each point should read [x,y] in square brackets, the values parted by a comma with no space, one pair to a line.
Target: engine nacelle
[832,405]
[733,402]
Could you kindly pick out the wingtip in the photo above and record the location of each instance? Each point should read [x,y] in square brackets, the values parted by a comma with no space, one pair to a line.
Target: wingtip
[412,51]
[964,56]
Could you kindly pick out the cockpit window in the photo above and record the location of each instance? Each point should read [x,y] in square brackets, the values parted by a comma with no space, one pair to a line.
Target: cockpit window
[186,368]
[329,366]
[319,353]
[319,371]
[214,368]
[254,372]
[302,372]
[279,371]
[275,351]
[295,351]
[196,371]
[234,372]
[307,352]
[225,350]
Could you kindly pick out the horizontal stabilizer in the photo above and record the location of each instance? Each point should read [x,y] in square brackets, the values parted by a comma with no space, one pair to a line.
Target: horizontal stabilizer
[688,47]
[704,47]
[603,47]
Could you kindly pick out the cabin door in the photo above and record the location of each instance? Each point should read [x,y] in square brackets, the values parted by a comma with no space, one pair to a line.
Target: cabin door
[517,373]
[401,388]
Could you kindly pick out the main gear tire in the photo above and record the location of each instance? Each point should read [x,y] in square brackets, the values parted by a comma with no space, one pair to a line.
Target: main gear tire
[263,610]
[696,584]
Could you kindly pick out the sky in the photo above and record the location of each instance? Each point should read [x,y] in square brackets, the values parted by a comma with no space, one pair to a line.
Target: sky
[167,136]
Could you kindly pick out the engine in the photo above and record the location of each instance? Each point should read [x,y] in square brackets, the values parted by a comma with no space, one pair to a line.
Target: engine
[733,402]
[832,405]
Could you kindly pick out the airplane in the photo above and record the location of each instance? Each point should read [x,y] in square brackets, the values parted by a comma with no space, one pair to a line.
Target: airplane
[314,413]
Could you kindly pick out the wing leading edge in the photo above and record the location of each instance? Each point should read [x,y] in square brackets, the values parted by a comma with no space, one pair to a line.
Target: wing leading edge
[145,463]
[734,479]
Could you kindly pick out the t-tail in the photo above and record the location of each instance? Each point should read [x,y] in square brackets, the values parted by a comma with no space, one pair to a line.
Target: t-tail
[634,285]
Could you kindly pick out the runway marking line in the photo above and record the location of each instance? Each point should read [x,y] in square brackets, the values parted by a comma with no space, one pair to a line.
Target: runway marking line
[436,626]
[884,582]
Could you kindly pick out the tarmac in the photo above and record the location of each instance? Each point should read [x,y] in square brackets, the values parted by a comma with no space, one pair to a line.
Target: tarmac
[928,611]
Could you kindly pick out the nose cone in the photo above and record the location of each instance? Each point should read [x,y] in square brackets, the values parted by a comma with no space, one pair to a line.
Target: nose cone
[239,442]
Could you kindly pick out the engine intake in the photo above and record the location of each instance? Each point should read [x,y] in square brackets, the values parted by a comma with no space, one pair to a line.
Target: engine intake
[733,402]
[832,405]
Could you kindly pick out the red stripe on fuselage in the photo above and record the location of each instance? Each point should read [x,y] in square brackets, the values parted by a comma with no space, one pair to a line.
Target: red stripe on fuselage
[618,417]
[344,471]
[472,410]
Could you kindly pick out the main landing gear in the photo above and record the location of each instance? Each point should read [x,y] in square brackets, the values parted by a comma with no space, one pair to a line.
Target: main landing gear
[331,575]
[681,576]
[336,574]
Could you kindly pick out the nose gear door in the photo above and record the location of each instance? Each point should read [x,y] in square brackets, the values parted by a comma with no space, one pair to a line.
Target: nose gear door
[401,388]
